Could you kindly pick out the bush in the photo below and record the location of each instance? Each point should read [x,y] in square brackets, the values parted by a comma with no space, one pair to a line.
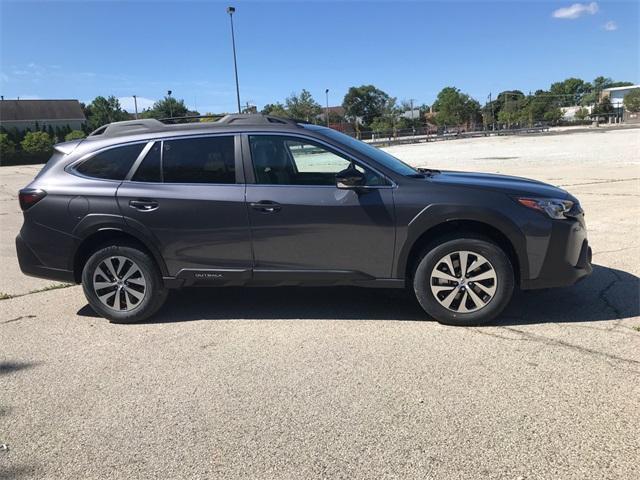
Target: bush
[74,135]
[632,100]
[37,142]
[7,147]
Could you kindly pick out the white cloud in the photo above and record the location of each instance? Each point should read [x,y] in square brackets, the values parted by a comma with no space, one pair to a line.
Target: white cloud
[610,26]
[576,10]
[128,104]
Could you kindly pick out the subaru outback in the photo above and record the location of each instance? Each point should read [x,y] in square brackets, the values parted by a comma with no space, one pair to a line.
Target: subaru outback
[141,207]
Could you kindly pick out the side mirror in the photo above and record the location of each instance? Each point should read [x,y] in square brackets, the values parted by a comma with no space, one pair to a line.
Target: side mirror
[350,178]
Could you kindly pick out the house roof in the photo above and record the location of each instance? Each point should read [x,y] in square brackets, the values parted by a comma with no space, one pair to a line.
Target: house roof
[40,110]
[615,89]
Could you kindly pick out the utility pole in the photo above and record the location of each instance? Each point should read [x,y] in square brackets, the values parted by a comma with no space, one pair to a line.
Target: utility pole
[135,104]
[326,111]
[413,125]
[231,11]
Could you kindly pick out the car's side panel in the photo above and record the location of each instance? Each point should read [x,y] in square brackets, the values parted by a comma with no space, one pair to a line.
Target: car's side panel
[446,204]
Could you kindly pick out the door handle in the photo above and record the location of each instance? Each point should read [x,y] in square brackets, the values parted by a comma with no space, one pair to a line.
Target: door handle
[266,206]
[144,205]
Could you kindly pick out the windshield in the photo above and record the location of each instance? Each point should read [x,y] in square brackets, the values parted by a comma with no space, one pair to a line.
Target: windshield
[370,151]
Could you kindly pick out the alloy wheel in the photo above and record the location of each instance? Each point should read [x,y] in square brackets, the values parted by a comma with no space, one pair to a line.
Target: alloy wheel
[119,283]
[463,281]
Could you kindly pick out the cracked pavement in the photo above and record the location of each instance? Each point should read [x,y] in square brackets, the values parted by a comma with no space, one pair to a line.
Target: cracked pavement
[342,382]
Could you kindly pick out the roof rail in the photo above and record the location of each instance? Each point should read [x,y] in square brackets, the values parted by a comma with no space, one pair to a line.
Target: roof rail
[153,125]
[171,120]
[128,126]
[255,119]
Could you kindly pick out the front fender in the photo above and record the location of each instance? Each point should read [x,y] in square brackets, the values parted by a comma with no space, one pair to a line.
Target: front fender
[436,215]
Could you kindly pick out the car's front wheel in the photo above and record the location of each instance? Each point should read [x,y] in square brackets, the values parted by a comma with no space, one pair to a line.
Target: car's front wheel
[123,284]
[467,281]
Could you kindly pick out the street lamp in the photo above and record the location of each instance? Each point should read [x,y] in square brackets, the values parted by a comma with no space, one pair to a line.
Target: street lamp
[326,92]
[170,105]
[231,11]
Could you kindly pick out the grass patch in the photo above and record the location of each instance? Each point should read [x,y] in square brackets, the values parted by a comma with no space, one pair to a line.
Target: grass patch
[637,328]
[53,286]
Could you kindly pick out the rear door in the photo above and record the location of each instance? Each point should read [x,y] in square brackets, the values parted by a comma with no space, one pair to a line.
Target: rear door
[303,226]
[188,195]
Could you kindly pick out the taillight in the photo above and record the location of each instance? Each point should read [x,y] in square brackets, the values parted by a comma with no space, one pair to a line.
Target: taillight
[29,197]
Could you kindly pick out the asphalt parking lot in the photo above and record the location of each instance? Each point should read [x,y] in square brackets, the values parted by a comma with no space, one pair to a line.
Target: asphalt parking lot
[341,382]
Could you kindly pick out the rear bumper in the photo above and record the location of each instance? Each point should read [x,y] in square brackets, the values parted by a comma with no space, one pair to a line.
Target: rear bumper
[31,265]
[568,258]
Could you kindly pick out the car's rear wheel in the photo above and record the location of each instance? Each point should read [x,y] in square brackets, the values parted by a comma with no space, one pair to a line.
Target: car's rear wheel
[123,284]
[467,281]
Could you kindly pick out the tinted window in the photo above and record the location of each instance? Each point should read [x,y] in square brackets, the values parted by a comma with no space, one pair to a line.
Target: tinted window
[112,164]
[149,169]
[199,160]
[290,161]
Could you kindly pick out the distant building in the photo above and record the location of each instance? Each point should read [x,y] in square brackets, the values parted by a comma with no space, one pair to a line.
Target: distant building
[36,114]
[336,114]
[616,95]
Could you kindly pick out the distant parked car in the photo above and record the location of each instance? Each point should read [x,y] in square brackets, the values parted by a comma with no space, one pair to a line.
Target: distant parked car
[140,207]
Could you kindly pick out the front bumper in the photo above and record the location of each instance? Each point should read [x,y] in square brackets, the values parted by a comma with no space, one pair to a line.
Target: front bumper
[31,265]
[568,257]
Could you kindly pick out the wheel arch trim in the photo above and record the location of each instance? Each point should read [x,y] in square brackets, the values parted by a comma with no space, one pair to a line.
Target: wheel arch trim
[438,219]
[102,228]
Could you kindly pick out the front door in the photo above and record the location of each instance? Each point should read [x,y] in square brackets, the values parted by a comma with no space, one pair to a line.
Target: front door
[187,195]
[303,226]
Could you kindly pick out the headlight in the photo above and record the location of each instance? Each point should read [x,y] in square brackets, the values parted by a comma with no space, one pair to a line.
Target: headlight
[553,207]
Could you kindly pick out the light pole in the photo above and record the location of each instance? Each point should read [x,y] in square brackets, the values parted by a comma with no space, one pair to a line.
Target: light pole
[135,105]
[231,11]
[326,112]
[170,105]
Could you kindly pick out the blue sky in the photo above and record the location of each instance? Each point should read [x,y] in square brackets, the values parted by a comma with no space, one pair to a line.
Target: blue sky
[58,49]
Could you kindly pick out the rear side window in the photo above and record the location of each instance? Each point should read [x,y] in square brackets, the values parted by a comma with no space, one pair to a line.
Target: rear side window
[112,164]
[199,160]
[149,169]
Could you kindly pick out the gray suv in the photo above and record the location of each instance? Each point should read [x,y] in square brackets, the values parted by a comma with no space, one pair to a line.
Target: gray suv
[140,207]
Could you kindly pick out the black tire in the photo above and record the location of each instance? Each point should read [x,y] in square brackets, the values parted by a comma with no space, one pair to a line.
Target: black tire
[155,293]
[504,283]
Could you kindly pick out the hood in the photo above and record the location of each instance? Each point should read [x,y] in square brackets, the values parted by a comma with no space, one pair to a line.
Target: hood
[502,183]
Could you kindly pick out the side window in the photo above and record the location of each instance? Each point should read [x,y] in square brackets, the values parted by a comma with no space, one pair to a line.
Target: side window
[279,160]
[199,160]
[149,169]
[112,164]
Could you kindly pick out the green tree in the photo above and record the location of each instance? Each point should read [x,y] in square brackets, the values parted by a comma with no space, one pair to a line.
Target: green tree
[37,142]
[582,113]
[105,110]
[570,91]
[603,107]
[303,106]
[166,108]
[554,115]
[74,135]
[631,100]
[365,102]
[276,109]
[7,147]
[453,107]
[381,125]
